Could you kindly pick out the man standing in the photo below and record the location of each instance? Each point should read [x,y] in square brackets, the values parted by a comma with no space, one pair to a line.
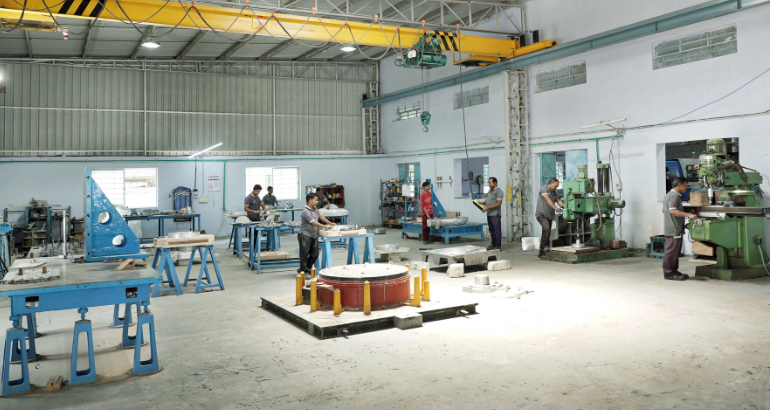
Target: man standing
[673,228]
[546,211]
[308,234]
[270,199]
[253,205]
[426,203]
[492,207]
[322,201]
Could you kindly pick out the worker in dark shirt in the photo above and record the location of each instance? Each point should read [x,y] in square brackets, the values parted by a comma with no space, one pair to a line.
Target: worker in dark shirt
[545,212]
[270,199]
[308,233]
[673,228]
[253,204]
[322,200]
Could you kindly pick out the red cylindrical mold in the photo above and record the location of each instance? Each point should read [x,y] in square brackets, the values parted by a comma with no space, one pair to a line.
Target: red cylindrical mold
[384,294]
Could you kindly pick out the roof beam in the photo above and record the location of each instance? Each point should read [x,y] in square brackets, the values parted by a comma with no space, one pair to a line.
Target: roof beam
[235,47]
[190,44]
[29,43]
[269,53]
[88,42]
[314,51]
[145,37]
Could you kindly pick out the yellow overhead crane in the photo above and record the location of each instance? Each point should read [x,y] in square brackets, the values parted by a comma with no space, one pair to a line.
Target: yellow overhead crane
[422,48]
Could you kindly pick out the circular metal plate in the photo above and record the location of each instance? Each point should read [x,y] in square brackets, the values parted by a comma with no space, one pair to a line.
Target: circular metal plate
[363,272]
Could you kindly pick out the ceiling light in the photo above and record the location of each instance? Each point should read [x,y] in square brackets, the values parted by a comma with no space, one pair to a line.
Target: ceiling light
[348,48]
[150,44]
[207,149]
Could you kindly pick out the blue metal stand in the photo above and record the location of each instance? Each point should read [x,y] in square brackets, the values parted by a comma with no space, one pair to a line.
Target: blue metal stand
[20,350]
[14,336]
[340,243]
[445,232]
[353,249]
[167,267]
[150,365]
[273,244]
[118,321]
[203,251]
[129,341]
[87,376]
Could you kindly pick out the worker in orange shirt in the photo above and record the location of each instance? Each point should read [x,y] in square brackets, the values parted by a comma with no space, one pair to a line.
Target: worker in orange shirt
[426,203]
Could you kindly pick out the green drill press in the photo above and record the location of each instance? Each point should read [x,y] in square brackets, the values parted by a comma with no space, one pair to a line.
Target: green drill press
[584,199]
[733,222]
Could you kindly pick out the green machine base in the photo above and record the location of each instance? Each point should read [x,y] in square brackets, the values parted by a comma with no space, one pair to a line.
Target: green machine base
[573,258]
[713,272]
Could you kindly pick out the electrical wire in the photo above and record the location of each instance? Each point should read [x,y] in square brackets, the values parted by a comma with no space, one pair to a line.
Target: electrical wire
[704,106]
[18,23]
[761,253]
[462,106]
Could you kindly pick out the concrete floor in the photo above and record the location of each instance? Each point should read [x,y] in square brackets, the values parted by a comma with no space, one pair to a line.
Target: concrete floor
[607,335]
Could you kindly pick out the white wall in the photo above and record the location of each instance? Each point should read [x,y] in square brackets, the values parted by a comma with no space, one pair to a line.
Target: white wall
[622,84]
[569,20]
[63,183]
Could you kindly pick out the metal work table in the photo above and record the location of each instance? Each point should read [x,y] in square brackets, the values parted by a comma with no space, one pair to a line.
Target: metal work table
[162,221]
[325,258]
[445,232]
[468,255]
[81,286]
[238,239]
[273,244]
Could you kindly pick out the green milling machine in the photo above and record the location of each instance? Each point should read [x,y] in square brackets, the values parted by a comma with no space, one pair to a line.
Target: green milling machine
[579,238]
[733,222]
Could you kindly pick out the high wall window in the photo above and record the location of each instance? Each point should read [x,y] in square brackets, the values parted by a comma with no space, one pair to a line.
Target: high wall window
[130,187]
[695,47]
[404,112]
[469,98]
[284,180]
[562,77]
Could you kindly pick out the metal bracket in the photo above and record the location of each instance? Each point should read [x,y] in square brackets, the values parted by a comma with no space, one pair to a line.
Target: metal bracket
[108,236]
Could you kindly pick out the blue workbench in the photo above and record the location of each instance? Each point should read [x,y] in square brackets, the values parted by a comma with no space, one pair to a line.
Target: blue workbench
[81,286]
[325,252]
[162,221]
[445,232]
[292,211]
[273,244]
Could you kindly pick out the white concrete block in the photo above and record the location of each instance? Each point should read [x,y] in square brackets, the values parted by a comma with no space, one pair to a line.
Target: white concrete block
[499,265]
[456,270]
[417,265]
[407,320]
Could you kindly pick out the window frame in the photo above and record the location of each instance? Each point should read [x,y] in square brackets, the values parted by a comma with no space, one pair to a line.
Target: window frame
[95,172]
[570,80]
[471,100]
[659,60]
[271,182]
[407,111]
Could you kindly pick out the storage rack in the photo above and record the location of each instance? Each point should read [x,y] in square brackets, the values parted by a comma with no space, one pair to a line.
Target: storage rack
[391,200]
[335,194]
[35,214]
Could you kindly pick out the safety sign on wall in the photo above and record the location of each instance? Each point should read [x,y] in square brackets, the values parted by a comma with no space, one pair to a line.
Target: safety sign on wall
[214,183]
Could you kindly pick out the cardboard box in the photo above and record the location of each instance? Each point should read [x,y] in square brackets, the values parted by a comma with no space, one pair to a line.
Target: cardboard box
[393,221]
[702,249]
[699,199]
[452,214]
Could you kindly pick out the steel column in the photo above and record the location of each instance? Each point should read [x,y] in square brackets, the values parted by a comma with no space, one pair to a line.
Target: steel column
[516,114]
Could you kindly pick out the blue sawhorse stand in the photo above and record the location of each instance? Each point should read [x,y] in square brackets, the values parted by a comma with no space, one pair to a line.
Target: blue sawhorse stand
[167,268]
[326,251]
[87,376]
[203,251]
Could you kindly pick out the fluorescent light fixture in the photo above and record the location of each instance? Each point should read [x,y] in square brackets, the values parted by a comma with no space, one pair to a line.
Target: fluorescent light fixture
[603,123]
[205,150]
[150,44]
[348,48]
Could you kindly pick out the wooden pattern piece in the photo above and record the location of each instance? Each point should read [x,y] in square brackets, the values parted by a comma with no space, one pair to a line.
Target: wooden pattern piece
[570,249]
[126,264]
[54,384]
[166,242]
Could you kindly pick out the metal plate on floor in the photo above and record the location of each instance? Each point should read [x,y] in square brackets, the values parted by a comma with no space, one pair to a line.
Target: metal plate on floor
[468,255]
